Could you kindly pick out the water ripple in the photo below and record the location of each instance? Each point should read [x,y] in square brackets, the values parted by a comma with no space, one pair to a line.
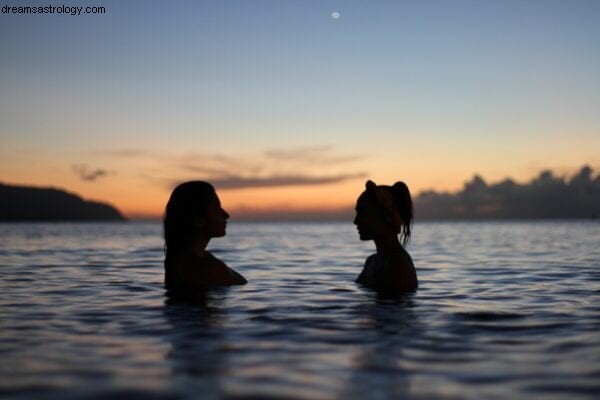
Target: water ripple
[504,310]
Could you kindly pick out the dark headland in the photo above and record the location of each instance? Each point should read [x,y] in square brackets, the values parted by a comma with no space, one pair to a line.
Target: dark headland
[23,203]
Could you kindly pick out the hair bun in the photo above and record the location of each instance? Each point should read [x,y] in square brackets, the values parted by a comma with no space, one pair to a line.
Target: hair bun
[370,185]
[400,186]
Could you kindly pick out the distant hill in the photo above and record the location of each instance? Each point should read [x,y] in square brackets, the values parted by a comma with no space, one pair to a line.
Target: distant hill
[22,203]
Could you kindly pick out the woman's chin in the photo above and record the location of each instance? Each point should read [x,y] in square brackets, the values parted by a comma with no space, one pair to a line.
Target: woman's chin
[221,233]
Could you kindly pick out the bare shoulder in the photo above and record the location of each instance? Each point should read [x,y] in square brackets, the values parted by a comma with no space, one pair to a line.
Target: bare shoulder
[221,274]
[390,272]
[366,275]
[401,259]
[401,270]
[195,272]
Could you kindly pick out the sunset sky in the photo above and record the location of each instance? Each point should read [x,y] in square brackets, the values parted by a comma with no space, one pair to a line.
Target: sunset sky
[292,105]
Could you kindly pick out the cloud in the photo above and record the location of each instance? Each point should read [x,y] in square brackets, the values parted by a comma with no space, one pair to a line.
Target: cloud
[546,196]
[274,168]
[88,175]
[244,182]
[320,155]
[205,170]
[218,165]
[235,182]
[227,172]
[125,153]
[190,161]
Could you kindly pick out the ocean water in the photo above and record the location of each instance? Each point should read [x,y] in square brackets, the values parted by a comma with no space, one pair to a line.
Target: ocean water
[504,311]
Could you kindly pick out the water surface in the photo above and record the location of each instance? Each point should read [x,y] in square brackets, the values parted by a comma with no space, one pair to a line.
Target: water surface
[504,310]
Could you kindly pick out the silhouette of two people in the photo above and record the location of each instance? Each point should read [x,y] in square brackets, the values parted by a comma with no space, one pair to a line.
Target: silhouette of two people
[194,215]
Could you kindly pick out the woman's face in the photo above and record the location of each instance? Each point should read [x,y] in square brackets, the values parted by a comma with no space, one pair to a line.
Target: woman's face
[216,219]
[368,220]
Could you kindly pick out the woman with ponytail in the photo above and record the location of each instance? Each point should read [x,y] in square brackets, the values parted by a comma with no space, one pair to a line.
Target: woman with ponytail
[383,213]
[192,217]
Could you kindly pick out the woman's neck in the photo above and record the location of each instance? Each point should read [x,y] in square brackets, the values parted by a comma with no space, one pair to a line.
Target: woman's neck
[199,245]
[388,244]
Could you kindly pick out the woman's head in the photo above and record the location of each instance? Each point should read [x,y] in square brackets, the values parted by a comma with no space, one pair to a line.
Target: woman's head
[193,210]
[383,211]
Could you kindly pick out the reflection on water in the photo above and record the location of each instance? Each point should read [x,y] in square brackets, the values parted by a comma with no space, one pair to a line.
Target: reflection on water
[504,310]
[198,343]
[377,372]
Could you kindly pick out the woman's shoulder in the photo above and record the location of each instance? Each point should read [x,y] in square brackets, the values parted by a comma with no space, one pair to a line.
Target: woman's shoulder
[204,270]
[209,257]
[369,271]
[394,271]
[396,258]
[401,257]
[371,259]
[222,273]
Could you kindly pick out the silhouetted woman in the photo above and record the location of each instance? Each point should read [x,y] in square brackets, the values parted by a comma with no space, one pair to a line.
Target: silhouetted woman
[192,217]
[383,213]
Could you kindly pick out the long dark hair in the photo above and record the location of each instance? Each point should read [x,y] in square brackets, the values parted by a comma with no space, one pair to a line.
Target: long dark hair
[188,202]
[404,205]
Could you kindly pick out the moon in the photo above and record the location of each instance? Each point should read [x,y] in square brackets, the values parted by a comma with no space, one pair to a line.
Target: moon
[335,15]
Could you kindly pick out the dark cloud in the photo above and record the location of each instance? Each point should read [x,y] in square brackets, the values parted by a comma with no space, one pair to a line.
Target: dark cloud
[86,174]
[276,168]
[229,173]
[244,182]
[316,155]
[546,196]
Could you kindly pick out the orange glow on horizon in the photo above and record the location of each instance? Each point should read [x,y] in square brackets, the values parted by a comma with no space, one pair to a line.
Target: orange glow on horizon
[136,195]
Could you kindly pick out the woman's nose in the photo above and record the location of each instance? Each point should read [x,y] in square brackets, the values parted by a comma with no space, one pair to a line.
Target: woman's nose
[225,213]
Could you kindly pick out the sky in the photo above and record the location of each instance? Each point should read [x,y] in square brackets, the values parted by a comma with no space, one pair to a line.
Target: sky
[288,106]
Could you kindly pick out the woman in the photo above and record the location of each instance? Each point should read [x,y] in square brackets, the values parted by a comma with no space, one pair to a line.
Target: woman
[383,213]
[192,217]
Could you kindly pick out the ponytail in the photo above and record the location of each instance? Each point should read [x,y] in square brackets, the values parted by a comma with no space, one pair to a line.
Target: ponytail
[404,205]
